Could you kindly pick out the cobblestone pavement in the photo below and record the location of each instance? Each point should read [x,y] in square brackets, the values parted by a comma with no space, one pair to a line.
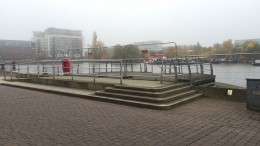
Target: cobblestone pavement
[36,118]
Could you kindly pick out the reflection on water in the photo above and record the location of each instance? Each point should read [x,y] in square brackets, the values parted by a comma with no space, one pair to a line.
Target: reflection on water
[235,74]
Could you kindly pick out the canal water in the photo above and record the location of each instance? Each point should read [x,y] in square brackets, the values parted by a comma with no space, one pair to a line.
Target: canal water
[235,74]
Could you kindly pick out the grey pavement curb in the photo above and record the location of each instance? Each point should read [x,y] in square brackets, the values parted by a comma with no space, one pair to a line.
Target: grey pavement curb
[46,90]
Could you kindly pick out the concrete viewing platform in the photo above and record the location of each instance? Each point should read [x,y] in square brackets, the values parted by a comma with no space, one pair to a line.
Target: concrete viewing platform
[137,92]
[141,93]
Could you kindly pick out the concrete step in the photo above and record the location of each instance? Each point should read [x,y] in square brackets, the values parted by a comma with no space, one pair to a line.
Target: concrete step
[159,106]
[146,93]
[145,98]
[166,78]
[151,89]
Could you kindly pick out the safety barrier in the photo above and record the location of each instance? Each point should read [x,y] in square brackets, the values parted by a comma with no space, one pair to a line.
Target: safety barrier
[110,68]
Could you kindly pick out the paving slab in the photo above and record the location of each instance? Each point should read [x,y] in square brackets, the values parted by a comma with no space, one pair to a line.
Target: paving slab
[47,88]
[40,118]
[129,82]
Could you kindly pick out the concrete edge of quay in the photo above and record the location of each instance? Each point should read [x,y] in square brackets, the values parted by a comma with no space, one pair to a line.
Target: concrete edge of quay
[217,92]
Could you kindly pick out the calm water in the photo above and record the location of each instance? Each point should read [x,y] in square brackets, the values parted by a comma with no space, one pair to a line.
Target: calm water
[235,74]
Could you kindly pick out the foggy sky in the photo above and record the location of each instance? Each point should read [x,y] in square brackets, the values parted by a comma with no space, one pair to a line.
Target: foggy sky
[127,21]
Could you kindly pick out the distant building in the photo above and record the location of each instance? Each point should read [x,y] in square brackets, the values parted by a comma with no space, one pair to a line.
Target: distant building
[151,46]
[17,50]
[240,42]
[55,42]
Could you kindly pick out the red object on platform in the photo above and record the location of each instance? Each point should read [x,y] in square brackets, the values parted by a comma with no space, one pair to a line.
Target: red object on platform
[66,65]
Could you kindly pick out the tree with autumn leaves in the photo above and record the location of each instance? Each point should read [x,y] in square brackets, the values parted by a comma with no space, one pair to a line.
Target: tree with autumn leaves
[98,48]
[131,51]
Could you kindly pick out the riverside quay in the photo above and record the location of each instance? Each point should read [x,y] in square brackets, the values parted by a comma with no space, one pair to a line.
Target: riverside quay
[123,102]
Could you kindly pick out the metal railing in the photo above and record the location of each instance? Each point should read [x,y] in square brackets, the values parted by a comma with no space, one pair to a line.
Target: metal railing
[109,68]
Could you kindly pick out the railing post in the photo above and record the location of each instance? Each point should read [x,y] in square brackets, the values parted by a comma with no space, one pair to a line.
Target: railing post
[121,75]
[175,72]
[18,66]
[132,69]
[4,71]
[78,68]
[125,67]
[152,66]
[111,67]
[145,66]
[89,67]
[93,66]
[140,67]
[211,69]
[99,67]
[201,68]
[165,66]
[53,71]
[94,72]
[12,74]
[27,71]
[43,68]
[170,68]
[72,72]
[162,71]
[38,70]
[181,65]
[106,66]
[189,71]
[58,69]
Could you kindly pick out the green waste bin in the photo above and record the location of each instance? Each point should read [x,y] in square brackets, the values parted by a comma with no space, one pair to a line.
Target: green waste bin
[253,94]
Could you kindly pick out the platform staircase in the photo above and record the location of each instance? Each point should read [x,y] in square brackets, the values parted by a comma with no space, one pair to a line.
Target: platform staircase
[165,97]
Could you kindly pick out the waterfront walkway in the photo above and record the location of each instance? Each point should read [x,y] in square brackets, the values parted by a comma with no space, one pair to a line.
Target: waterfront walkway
[40,118]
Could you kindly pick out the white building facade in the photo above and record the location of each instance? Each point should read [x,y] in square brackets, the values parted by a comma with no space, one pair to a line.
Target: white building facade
[55,43]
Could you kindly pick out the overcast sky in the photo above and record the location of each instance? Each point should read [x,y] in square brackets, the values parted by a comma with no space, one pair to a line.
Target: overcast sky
[127,21]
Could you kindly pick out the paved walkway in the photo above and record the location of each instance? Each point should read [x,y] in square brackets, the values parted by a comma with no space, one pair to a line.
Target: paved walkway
[39,118]
[47,88]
